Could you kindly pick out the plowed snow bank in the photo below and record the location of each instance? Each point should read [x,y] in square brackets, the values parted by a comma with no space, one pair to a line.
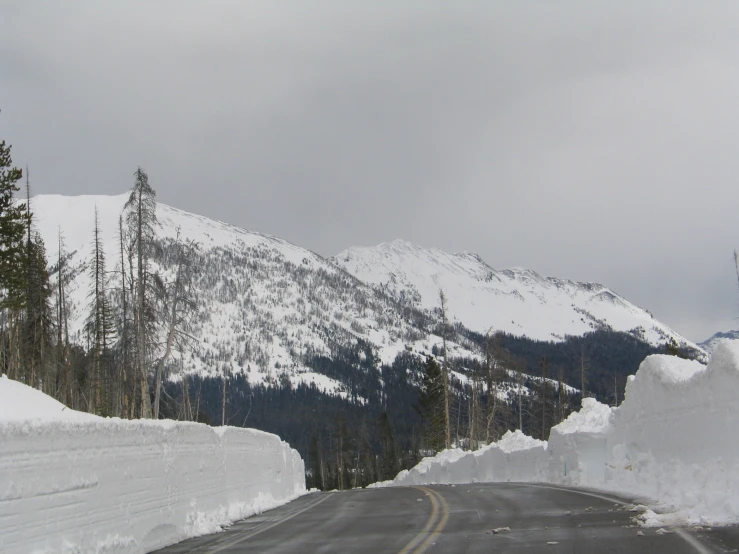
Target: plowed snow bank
[73,482]
[672,439]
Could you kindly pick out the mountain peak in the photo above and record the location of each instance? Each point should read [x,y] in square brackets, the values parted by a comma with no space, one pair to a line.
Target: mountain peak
[517,300]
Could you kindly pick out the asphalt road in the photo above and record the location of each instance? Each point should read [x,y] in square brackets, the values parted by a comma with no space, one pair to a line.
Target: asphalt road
[454,519]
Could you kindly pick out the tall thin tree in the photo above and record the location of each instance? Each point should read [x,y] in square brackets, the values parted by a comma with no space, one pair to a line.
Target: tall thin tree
[141,216]
[445,369]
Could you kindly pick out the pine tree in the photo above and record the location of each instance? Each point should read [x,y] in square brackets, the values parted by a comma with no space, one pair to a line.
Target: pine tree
[13,225]
[447,399]
[38,321]
[64,384]
[315,475]
[141,218]
[584,368]
[388,454]
[431,405]
[100,328]
[544,406]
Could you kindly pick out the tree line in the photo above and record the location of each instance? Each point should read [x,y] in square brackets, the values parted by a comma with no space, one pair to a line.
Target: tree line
[118,370]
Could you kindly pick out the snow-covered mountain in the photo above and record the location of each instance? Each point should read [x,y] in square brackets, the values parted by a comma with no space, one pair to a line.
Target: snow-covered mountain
[709,344]
[516,301]
[269,308]
[265,306]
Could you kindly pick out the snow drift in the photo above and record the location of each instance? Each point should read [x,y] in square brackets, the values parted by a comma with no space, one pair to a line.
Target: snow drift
[74,482]
[672,440]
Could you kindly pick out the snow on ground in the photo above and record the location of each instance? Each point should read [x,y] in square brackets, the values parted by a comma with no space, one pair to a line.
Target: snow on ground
[73,482]
[671,440]
[19,402]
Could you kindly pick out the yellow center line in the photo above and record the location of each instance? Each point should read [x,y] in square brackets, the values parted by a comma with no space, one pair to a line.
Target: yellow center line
[437,520]
[429,524]
[439,526]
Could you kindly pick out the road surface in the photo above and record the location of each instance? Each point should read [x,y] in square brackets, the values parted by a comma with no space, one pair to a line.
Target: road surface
[454,519]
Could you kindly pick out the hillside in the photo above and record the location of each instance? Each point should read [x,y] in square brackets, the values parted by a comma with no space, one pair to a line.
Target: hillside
[709,344]
[265,307]
[516,301]
[315,347]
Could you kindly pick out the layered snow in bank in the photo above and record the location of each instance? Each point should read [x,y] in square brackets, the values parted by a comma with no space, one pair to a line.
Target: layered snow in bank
[75,482]
[672,440]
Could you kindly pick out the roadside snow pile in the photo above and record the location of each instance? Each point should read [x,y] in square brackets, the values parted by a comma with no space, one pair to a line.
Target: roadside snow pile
[672,439]
[577,447]
[73,482]
[20,402]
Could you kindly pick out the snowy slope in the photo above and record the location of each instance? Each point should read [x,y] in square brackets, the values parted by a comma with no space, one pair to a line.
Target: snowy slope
[516,301]
[709,344]
[264,305]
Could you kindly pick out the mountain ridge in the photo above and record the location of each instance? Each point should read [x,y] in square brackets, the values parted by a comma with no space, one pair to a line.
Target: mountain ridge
[710,343]
[484,299]
[268,308]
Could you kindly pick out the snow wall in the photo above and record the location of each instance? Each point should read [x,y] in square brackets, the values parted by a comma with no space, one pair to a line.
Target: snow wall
[673,440]
[80,483]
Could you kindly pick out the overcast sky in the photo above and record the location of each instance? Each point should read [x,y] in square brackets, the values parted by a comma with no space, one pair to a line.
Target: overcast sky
[596,141]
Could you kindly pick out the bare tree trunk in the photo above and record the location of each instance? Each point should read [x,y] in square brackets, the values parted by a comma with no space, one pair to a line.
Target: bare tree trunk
[61,374]
[125,400]
[170,337]
[544,365]
[445,372]
[197,403]
[223,400]
[520,401]
[473,414]
[141,327]
[560,395]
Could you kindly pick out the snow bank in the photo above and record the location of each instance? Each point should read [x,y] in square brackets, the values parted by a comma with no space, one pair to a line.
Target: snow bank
[19,402]
[577,447]
[516,457]
[674,436]
[672,439]
[72,482]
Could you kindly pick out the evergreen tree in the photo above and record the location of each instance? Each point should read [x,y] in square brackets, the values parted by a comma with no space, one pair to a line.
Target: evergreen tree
[100,329]
[38,322]
[314,478]
[63,374]
[141,218]
[388,455]
[445,372]
[431,406]
[13,225]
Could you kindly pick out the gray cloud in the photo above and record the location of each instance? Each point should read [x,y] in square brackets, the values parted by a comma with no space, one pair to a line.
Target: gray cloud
[588,140]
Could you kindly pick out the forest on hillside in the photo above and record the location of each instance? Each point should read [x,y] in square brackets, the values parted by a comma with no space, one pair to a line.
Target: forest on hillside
[383,417]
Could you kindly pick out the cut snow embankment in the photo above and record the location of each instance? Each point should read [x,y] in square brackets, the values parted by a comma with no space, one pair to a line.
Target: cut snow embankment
[672,440]
[74,482]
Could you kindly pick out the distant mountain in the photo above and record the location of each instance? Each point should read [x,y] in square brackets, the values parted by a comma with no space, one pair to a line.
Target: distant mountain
[278,313]
[709,344]
[516,301]
[266,308]
[311,345]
